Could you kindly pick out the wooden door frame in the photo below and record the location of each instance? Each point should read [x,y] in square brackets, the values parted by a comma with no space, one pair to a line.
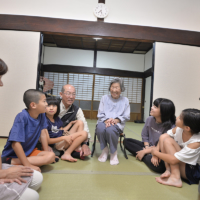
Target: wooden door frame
[81,28]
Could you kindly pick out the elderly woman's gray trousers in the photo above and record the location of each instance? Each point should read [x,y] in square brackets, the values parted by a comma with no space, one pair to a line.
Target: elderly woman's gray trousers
[108,135]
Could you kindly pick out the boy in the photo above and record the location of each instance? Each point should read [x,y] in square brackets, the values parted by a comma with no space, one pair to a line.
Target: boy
[25,133]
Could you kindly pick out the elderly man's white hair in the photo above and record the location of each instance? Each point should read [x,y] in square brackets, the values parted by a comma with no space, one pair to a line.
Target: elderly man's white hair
[120,81]
[63,87]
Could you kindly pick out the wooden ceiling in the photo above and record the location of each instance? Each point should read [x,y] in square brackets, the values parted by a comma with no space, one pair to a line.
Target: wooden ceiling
[89,43]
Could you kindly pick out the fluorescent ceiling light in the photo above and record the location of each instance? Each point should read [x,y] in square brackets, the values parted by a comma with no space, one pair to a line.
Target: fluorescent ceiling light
[97,38]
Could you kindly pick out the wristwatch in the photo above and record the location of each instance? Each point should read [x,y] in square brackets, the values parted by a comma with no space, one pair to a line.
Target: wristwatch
[87,143]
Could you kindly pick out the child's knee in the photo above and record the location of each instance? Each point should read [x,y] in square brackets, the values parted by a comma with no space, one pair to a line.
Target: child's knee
[50,157]
[167,141]
[163,137]
[79,122]
[85,134]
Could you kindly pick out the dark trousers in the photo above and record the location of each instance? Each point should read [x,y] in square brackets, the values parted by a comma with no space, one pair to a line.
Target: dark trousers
[133,146]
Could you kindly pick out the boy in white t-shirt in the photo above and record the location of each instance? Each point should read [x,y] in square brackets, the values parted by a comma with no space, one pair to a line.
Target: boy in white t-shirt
[180,149]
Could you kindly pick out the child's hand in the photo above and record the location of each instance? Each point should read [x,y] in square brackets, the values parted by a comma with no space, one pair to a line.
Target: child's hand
[153,150]
[155,161]
[73,122]
[68,139]
[50,149]
[140,154]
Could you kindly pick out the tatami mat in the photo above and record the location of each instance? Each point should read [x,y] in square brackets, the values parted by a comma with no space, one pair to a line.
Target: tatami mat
[107,187]
[90,179]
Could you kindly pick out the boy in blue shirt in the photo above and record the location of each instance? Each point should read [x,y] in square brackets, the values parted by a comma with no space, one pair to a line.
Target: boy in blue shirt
[25,133]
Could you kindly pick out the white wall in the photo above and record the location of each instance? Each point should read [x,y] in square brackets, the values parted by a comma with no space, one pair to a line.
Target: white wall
[147,97]
[148,59]
[176,75]
[67,9]
[179,14]
[64,56]
[121,61]
[75,57]
[20,51]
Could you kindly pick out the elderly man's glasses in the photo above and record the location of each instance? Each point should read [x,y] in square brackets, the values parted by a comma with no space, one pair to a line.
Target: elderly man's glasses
[68,94]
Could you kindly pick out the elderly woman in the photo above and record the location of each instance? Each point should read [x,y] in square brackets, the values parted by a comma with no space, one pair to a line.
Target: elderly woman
[114,111]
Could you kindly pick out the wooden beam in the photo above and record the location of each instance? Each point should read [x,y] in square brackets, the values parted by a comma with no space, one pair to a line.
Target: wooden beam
[90,70]
[54,40]
[68,42]
[148,72]
[109,45]
[95,55]
[122,46]
[82,43]
[136,46]
[39,61]
[98,29]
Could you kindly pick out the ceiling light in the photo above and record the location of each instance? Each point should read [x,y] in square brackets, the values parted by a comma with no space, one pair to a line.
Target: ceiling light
[97,39]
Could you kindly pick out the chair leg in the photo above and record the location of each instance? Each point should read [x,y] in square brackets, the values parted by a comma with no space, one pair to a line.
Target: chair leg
[125,149]
[121,142]
[94,144]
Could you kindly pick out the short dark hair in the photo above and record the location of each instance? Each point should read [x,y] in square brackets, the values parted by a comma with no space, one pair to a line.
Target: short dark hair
[167,111]
[56,102]
[32,95]
[3,67]
[191,118]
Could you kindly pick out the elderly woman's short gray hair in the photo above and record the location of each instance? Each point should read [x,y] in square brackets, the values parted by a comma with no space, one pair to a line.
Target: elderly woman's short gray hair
[120,81]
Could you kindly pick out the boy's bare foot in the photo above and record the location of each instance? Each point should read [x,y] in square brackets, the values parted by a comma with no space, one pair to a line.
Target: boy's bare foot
[68,157]
[169,181]
[166,174]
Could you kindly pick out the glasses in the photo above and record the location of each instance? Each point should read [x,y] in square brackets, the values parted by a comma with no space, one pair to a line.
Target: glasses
[68,94]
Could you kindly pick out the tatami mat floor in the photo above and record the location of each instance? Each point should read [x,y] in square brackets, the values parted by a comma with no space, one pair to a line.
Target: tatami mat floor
[90,179]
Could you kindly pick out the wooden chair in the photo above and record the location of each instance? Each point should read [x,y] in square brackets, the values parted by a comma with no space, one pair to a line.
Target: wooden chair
[122,135]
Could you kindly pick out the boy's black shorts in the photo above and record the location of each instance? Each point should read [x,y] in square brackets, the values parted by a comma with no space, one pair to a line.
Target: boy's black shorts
[192,173]
[6,160]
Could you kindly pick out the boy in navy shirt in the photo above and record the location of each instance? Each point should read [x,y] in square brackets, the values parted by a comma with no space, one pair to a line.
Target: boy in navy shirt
[25,133]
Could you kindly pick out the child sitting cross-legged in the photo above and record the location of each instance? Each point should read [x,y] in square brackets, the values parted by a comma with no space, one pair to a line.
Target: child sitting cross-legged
[25,133]
[180,149]
[66,139]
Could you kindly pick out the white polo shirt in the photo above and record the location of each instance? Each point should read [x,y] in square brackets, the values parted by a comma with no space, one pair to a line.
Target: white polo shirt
[79,116]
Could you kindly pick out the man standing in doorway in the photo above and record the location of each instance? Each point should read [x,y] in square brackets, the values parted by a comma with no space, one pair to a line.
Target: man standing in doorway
[69,112]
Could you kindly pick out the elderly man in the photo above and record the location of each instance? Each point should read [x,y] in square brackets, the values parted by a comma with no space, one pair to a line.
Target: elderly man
[69,112]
